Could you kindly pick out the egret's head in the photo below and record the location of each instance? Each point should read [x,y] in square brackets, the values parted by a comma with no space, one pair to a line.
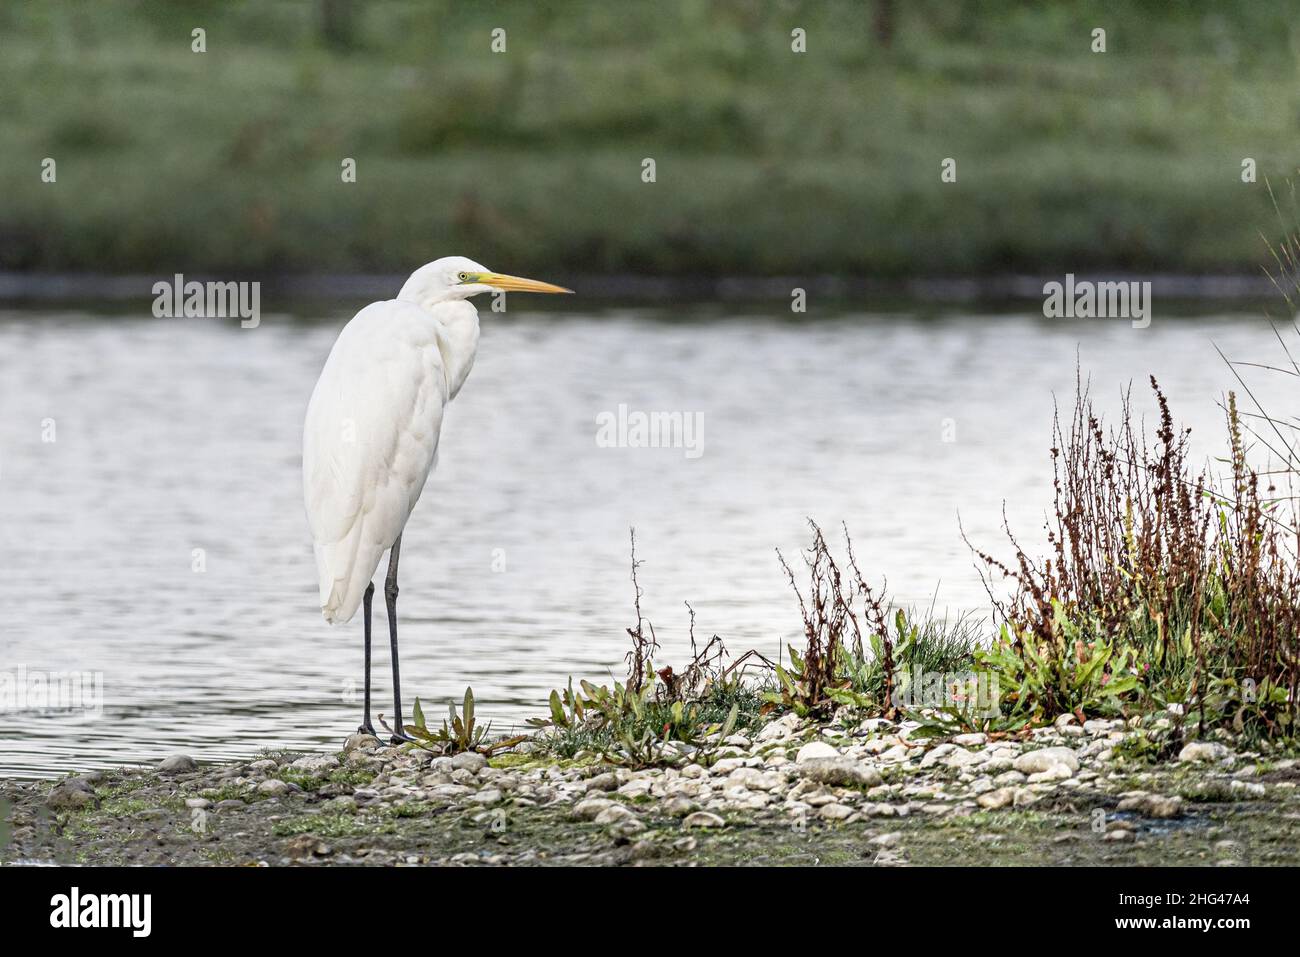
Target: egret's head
[455,277]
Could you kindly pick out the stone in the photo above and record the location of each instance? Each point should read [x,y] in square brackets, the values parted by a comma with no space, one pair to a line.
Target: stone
[72,793]
[614,814]
[1044,759]
[274,787]
[177,764]
[1250,789]
[840,772]
[992,800]
[360,741]
[487,796]
[1057,772]
[1161,806]
[1204,751]
[835,812]
[703,819]
[1118,835]
[888,839]
[934,755]
[756,779]
[316,762]
[778,730]
[816,750]
[1025,797]
[603,782]
[679,806]
[960,758]
[468,761]
[637,787]
[1150,805]
[589,808]
[971,740]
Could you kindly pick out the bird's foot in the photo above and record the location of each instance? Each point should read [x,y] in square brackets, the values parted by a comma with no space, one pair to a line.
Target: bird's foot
[369,729]
[400,737]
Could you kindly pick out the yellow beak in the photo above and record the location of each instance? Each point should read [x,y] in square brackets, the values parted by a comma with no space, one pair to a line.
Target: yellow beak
[517,283]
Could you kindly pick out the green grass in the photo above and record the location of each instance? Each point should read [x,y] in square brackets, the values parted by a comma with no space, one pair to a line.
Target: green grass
[308,781]
[768,162]
[605,736]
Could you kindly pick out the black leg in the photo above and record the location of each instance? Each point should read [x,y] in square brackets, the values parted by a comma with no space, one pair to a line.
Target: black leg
[390,596]
[366,726]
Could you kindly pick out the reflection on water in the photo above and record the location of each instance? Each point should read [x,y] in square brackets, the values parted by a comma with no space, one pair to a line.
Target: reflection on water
[159,539]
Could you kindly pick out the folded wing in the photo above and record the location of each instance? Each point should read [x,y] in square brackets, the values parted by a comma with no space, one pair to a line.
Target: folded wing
[369,443]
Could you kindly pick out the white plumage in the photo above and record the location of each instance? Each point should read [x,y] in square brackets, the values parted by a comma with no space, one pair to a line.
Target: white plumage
[370,442]
[371,435]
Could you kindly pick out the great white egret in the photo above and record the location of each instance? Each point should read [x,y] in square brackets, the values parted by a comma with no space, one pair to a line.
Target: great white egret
[371,436]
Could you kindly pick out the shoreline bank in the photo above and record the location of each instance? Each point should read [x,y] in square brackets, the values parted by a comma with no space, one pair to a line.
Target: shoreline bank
[848,791]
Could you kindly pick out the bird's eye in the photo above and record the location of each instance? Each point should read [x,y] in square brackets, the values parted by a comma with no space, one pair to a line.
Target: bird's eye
[462,276]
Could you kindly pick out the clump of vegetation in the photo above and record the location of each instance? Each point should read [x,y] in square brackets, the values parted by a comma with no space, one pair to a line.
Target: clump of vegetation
[655,717]
[855,651]
[838,603]
[459,732]
[1162,587]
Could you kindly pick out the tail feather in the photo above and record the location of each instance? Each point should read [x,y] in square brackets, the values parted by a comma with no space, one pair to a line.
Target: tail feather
[345,569]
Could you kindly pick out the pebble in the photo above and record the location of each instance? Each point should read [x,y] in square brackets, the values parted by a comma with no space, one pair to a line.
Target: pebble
[613,814]
[603,782]
[316,762]
[468,761]
[838,771]
[1044,759]
[816,750]
[1204,751]
[992,800]
[835,812]
[1152,805]
[589,808]
[703,819]
[72,793]
[177,764]
[360,742]
[679,806]
[1057,772]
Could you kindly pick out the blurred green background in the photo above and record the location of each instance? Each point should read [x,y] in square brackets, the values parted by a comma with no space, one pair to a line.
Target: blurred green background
[768,161]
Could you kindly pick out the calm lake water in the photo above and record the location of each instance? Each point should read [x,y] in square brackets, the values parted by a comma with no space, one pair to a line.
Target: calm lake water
[128,443]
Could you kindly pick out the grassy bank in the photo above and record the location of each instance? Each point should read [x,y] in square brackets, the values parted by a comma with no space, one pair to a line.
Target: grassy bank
[767,161]
[793,793]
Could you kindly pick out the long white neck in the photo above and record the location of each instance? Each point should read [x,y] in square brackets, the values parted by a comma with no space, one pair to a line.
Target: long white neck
[457,321]
[457,341]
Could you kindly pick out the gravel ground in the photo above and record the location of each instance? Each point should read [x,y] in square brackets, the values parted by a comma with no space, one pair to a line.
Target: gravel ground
[794,793]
